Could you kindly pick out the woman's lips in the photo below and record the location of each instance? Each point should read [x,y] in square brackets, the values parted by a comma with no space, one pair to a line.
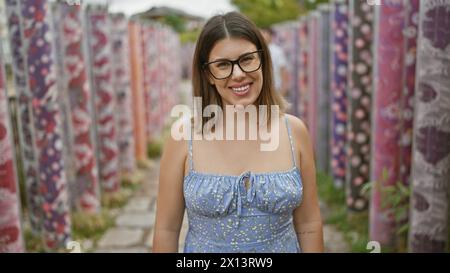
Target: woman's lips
[241,90]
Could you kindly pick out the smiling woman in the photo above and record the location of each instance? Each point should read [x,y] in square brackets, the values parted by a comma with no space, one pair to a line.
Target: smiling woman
[238,197]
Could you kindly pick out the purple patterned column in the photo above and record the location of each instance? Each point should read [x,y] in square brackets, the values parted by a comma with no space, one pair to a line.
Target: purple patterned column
[339,68]
[75,83]
[24,113]
[386,120]
[431,148]
[100,48]
[359,103]
[39,52]
[10,223]
[122,85]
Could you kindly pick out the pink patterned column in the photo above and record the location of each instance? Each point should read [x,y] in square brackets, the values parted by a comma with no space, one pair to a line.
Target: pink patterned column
[76,83]
[386,120]
[38,50]
[303,69]
[10,223]
[122,86]
[100,49]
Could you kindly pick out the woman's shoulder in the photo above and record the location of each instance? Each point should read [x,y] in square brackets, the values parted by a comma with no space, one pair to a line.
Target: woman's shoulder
[297,125]
[179,136]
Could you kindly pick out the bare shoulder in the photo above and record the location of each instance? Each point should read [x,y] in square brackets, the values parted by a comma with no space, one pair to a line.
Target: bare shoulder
[298,127]
[177,142]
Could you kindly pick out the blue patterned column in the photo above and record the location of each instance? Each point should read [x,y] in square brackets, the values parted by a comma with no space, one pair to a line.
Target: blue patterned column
[339,68]
[38,51]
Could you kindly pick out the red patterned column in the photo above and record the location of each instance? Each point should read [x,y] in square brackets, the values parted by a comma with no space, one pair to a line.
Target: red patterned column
[100,52]
[75,82]
[10,223]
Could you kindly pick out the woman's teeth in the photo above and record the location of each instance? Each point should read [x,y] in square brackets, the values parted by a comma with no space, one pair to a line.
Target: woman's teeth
[241,89]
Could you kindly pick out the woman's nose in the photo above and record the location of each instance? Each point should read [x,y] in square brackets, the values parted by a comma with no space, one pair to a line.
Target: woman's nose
[237,72]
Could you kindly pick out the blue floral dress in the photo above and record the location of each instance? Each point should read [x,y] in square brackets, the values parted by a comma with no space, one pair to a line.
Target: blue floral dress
[252,212]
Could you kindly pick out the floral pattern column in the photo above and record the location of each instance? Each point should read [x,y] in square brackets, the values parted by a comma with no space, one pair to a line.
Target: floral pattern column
[431,147]
[39,56]
[10,223]
[359,103]
[386,117]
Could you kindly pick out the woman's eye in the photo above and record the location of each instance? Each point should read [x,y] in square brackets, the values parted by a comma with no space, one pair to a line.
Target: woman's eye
[247,59]
[223,65]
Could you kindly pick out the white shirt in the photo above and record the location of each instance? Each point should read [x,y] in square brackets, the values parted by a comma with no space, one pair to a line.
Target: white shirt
[278,61]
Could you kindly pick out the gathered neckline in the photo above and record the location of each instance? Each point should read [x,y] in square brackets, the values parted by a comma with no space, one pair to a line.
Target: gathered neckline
[293,169]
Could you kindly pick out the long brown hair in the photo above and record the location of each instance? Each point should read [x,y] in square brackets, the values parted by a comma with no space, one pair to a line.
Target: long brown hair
[231,25]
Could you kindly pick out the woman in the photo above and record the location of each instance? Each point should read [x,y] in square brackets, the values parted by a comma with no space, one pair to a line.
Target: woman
[238,198]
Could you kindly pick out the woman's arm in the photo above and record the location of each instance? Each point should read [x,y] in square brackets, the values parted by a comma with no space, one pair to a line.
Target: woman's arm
[170,200]
[307,219]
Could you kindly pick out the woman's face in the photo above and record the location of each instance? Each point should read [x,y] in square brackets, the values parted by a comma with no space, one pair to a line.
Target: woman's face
[240,88]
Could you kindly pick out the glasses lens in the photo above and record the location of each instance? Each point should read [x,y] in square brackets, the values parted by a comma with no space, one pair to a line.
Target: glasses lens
[250,62]
[221,70]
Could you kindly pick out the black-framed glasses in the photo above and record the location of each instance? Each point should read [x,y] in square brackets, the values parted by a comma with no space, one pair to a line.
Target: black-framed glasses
[223,68]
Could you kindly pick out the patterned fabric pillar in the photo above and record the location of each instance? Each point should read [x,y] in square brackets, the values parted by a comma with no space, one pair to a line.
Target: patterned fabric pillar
[303,69]
[409,80]
[431,148]
[359,103]
[313,30]
[10,224]
[137,87]
[26,130]
[121,83]
[100,50]
[323,91]
[339,69]
[63,99]
[148,58]
[39,56]
[86,187]
[389,22]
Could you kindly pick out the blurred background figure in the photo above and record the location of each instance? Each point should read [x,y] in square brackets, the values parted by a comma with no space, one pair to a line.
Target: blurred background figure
[279,63]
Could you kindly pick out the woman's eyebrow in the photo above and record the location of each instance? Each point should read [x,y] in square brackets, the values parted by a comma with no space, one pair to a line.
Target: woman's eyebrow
[225,59]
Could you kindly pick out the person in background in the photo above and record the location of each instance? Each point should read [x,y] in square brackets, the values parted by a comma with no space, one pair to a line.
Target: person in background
[279,63]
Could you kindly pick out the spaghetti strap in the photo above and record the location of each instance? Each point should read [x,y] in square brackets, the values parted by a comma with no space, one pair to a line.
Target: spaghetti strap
[291,142]
[190,157]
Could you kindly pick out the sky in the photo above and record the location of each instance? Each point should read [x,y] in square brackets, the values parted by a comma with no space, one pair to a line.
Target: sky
[204,8]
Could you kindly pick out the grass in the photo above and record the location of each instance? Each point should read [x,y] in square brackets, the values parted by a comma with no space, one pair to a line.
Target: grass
[354,226]
[91,226]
